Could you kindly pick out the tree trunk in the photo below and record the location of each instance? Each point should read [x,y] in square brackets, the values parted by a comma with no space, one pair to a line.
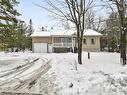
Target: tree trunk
[80,51]
[79,44]
[121,11]
[123,48]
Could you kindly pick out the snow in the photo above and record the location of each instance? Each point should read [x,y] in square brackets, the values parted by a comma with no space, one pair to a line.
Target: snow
[62,32]
[58,32]
[90,32]
[59,74]
[41,34]
[87,74]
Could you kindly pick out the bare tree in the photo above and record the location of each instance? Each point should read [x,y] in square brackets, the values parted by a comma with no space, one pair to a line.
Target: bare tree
[121,7]
[122,10]
[74,11]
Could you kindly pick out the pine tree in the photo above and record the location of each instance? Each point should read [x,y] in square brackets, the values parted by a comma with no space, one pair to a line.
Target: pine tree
[29,32]
[7,12]
[8,22]
[113,32]
[30,28]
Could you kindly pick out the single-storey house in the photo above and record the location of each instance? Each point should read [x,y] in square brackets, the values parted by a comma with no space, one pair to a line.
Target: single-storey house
[64,41]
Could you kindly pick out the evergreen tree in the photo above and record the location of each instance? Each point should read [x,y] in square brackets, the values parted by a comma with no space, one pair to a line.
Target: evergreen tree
[30,28]
[113,32]
[29,32]
[8,22]
[21,36]
[7,12]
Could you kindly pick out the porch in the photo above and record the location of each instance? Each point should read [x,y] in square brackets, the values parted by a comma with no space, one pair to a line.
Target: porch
[62,45]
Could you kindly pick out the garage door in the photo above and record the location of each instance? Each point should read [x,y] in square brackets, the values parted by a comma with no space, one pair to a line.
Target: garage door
[40,47]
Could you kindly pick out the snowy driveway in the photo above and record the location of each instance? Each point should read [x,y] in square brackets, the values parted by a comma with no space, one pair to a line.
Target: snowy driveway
[22,74]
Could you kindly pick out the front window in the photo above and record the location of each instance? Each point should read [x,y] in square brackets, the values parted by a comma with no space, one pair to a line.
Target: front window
[69,40]
[66,40]
[92,41]
[63,40]
[84,41]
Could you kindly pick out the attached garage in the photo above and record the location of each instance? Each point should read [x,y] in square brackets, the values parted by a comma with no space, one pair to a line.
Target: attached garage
[41,42]
[40,47]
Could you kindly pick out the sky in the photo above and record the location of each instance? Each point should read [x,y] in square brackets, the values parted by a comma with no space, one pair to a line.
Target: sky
[39,16]
[29,10]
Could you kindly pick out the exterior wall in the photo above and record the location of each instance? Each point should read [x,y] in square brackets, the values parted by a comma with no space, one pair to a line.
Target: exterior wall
[86,47]
[91,47]
[56,39]
[42,40]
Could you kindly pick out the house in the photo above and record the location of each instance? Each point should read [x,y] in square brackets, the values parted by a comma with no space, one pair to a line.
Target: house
[64,41]
[91,41]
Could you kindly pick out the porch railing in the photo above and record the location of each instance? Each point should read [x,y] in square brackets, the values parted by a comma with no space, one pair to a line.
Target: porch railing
[62,44]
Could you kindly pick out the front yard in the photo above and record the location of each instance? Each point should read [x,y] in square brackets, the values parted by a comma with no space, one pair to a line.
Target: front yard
[59,74]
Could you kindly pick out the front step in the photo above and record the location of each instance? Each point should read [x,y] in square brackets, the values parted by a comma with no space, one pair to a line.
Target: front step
[14,93]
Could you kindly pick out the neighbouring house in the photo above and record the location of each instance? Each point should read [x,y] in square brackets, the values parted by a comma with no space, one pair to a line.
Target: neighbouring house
[91,41]
[64,41]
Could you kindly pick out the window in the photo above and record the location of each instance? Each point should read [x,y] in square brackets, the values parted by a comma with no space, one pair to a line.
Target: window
[92,41]
[84,41]
[63,40]
[69,40]
[66,40]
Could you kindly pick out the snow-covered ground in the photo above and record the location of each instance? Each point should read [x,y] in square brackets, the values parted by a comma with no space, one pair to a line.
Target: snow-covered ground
[59,74]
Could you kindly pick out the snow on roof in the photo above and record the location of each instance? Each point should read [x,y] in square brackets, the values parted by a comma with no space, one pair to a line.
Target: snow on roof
[57,32]
[41,34]
[62,32]
[70,31]
[90,32]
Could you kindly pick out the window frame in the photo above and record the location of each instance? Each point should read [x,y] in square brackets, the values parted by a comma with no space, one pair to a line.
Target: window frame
[93,41]
[84,41]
